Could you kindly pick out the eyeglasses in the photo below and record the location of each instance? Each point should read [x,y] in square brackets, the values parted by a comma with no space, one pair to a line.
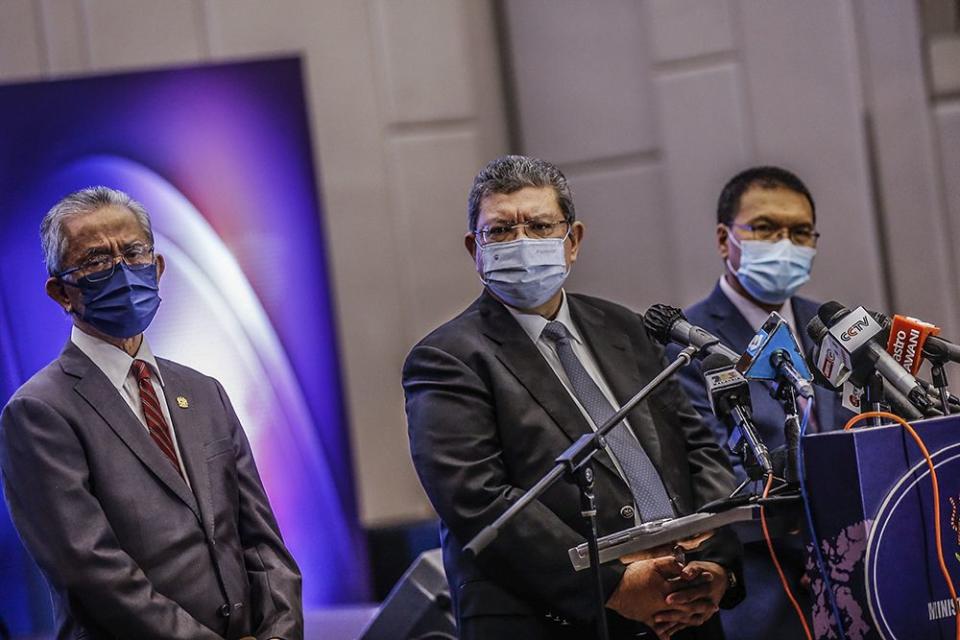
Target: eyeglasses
[534,229]
[802,234]
[101,266]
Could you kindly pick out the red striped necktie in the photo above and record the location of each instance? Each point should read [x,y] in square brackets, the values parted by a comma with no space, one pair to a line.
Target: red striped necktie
[156,424]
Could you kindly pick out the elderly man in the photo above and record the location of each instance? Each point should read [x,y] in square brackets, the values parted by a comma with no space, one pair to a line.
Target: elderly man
[766,238]
[495,394]
[129,477]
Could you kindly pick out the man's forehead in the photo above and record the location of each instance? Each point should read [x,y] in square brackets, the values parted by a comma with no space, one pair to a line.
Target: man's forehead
[106,224]
[529,201]
[774,203]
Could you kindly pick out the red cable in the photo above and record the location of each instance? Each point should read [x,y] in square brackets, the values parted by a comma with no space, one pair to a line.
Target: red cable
[776,562]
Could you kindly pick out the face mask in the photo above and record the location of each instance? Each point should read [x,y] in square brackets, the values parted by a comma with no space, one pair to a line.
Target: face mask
[771,272]
[524,273]
[124,304]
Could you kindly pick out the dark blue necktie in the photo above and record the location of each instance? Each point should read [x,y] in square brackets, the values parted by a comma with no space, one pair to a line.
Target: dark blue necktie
[645,483]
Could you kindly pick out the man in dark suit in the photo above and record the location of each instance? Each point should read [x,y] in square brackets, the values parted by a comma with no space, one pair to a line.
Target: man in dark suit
[767,238]
[495,394]
[129,477]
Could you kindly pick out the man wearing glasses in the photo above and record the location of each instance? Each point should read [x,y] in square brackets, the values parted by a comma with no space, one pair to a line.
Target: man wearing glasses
[767,239]
[128,477]
[496,394]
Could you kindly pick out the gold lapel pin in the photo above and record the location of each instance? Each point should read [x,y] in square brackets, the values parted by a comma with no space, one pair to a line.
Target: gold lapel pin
[182,402]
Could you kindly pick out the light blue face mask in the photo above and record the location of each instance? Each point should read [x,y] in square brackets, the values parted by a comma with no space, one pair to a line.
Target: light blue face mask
[524,273]
[771,272]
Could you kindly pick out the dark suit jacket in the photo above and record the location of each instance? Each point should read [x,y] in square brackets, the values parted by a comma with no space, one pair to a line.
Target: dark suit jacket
[128,549]
[487,417]
[718,315]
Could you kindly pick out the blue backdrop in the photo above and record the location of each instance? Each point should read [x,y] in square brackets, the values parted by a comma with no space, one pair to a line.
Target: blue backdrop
[220,155]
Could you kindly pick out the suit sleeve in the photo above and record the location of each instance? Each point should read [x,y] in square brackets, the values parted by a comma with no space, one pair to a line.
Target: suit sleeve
[46,484]
[691,381]
[710,472]
[457,453]
[275,582]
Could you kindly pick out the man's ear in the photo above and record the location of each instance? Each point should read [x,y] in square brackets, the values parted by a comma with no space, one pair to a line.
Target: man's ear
[576,237]
[723,234]
[57,292]
[470,242]
[161,265]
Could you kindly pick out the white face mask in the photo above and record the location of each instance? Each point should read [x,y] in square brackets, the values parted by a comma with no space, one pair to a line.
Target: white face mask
[771,272]
[524,273]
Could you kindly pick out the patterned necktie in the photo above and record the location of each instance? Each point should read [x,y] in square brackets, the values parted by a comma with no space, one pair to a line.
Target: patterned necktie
[645,483]
[156,424]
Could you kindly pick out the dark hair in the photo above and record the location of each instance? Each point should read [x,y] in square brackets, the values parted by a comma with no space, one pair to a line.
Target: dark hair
[764,177]
[508,174]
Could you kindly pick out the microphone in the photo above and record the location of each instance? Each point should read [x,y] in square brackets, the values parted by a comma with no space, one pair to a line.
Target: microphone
[851,338]
[729,394]
[771,355]
[667,324]
[825,374]
[908,337]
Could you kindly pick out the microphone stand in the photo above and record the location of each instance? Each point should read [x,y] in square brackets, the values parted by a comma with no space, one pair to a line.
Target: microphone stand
[872,399]
[938,358]
[787,396]
[575,462]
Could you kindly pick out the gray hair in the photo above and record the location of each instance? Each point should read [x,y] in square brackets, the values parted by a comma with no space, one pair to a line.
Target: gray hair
[77,203]
[508,174]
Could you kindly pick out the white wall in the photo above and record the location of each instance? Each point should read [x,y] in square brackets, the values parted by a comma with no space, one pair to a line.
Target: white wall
[648,105]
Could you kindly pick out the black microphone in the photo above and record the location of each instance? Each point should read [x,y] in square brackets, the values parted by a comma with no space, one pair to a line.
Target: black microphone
[729,394]
[667,324]
[854,334]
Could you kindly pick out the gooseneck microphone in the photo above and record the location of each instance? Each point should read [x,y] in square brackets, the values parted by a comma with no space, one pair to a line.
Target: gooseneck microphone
[667,324]
[729,394]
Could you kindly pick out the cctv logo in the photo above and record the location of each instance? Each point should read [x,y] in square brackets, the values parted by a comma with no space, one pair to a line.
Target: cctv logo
[854,329]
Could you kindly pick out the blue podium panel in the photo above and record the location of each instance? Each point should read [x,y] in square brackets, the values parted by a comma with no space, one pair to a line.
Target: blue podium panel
[872,501]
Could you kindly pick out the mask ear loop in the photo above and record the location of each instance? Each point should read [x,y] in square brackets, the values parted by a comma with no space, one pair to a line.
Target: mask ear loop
[733,239]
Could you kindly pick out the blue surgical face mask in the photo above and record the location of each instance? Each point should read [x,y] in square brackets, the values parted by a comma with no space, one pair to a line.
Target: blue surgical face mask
[771,272]
[124,304]
[524,273]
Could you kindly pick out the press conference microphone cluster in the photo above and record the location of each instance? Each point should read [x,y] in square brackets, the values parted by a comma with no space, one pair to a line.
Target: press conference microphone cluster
[849,350]
[667,324]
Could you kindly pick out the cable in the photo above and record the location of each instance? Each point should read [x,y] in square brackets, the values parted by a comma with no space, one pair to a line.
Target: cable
[776,562]
[936,497]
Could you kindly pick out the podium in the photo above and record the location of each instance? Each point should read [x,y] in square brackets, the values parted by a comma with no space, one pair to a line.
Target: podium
[872,503]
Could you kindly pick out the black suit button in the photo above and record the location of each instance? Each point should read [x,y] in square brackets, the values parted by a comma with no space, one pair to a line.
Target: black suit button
[224,610]
[626,512]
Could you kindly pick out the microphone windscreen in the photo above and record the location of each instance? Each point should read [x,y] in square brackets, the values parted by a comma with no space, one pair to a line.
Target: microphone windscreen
[816,330]
[830,312]
[659,319]
[716,361]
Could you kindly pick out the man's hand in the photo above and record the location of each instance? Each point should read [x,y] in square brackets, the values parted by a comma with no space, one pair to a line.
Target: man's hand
[695,599]
[644,588]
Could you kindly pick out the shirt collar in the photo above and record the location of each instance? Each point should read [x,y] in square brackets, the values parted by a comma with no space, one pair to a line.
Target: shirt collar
[751,312]
[533,323]
[114,362]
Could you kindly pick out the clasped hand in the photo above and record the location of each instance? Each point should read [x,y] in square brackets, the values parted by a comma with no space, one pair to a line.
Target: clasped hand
[667,596]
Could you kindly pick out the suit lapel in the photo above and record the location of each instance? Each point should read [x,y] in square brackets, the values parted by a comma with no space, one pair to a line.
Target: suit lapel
[191,440]
[617,360]
[94,387]
[731,327]
[520,355]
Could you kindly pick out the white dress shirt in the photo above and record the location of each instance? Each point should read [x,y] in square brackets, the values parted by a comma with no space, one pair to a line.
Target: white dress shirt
[753,314]
[116,364]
